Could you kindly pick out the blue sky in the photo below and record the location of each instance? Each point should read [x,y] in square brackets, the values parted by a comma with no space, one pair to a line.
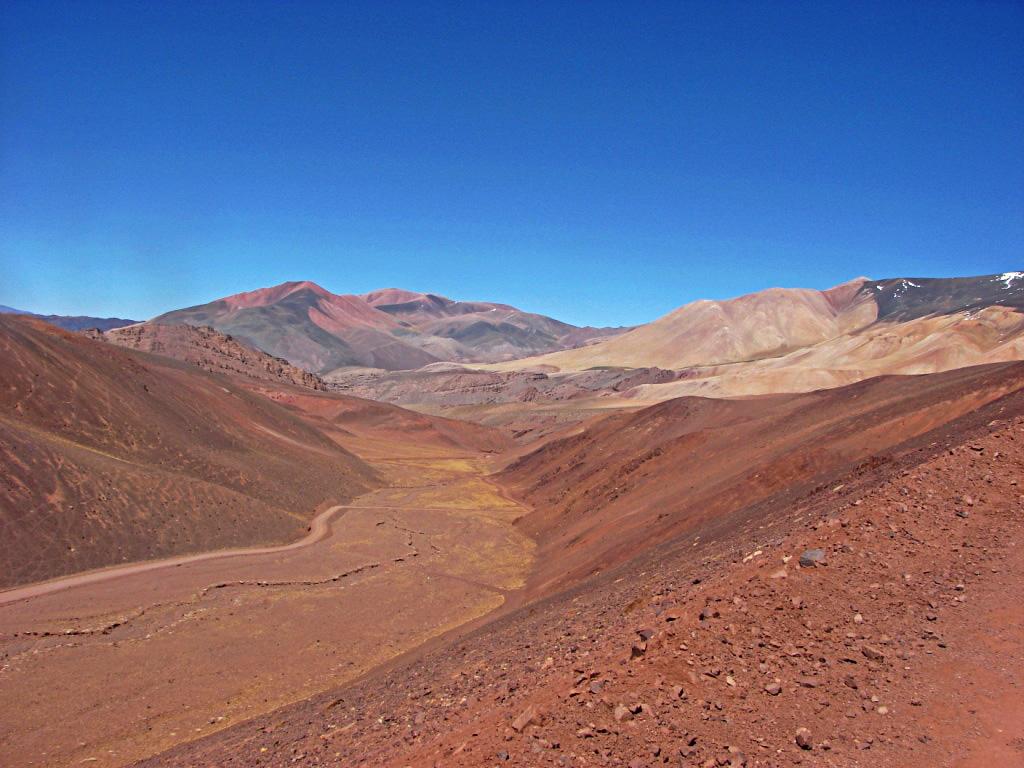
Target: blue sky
[600,162]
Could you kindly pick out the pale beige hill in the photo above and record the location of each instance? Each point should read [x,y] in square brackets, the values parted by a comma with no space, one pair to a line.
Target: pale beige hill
[924,345]
[768,323]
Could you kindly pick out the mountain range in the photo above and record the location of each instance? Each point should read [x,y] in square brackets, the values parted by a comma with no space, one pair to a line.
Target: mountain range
[392,329]
[773,341]
[779,321]
[778,339]
[73,322]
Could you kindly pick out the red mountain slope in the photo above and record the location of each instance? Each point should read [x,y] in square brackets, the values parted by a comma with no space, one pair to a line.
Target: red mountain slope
[109,455]
[633,479]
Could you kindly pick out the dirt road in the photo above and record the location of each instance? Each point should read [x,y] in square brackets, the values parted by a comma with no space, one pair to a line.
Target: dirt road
[319,527]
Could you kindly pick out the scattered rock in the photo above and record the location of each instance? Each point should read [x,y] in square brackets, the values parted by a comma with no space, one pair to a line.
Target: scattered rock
[803,738]
[529,716]
[812,558]
[872,653]
[621,713]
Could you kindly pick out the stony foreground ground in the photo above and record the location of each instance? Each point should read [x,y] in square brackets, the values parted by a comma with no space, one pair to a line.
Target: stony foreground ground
[876,621]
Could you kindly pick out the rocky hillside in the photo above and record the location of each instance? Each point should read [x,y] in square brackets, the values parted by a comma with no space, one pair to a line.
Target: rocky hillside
[910,298]
[210,350]
[629,480]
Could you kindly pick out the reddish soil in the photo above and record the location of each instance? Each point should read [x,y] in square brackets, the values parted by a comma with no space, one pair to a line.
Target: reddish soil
[903,645]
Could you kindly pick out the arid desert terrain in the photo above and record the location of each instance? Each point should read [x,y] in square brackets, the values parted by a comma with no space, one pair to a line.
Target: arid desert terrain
[293,527]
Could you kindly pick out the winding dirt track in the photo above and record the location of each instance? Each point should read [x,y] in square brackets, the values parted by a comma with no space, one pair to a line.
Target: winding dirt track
[319,527]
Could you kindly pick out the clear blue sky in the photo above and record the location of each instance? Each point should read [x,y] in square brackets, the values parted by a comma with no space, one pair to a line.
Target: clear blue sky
[600,162]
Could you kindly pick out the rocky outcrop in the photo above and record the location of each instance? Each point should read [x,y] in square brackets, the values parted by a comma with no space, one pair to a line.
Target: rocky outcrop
[212,351]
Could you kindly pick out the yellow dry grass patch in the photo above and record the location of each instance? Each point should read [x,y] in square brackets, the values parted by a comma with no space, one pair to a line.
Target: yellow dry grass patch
[468,493]
[495,554]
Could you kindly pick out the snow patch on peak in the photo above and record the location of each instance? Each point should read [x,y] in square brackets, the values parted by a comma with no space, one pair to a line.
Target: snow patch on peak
[1007,278]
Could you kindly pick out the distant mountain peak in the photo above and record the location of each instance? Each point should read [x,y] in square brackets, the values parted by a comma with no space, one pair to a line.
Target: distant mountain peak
[262,297]
[384,296]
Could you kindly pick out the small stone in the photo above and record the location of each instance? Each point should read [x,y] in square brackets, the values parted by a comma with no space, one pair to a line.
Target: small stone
[812,558]
[622,713]
[529,716]
[773,689]
[872,653]
[803,738]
